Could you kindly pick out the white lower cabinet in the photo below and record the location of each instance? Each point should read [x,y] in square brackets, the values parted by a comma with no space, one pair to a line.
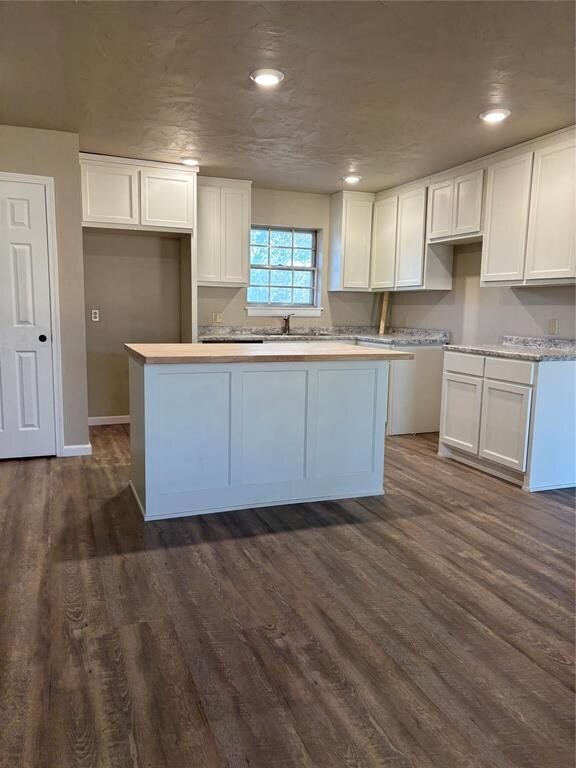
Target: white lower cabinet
[461,405]
[504,422]
[511,418]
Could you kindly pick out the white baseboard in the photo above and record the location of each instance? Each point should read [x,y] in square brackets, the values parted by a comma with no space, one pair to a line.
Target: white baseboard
[95,421]
[76,450]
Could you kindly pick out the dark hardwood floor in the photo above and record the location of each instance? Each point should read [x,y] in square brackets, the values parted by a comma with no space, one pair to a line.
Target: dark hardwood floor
[429,628]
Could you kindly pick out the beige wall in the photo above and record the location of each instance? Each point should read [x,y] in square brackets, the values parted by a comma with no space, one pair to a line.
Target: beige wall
[53,153]
[291,209]
[481,315]
[133,278]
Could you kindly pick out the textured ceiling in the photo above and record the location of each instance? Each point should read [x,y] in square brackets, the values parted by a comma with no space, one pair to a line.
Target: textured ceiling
[391,90]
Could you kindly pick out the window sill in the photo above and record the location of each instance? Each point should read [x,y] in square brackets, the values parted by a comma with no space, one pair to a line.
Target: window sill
[282,311]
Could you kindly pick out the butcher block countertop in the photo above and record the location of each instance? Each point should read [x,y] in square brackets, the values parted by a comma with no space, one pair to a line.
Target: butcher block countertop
[282,352]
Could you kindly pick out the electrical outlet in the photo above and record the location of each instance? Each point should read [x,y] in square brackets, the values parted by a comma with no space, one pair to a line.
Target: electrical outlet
[95,315]
[552,327]
[217,317]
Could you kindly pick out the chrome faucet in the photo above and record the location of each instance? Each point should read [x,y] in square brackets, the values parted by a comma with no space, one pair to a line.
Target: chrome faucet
[286,326]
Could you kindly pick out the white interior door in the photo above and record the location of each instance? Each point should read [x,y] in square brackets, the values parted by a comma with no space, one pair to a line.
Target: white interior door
[27,422]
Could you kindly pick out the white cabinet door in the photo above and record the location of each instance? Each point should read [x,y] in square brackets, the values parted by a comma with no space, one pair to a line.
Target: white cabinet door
[384,242]
[460,416]
[166,198]
[209,233]
[467,206]
[410,238]
[551,231]
[506,219]
[235,235]
[440,197]
[357,225]
[109,193]
[505,421]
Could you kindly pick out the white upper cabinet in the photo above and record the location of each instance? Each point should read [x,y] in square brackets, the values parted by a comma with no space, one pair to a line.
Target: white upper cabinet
[455,206]
[384,242]
[209,228]
[224,220]
[410,238]
[110,193]
[551,230]
[350,240]
[132,194]
[440,197]
[166,198]
[506,219]
[235,213]
[467,203]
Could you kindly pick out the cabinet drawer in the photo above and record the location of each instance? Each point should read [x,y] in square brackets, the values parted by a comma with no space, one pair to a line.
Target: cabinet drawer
[460,362]
[518,371]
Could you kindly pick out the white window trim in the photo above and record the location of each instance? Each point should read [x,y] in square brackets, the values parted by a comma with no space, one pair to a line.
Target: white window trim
[262,310]
[277,311]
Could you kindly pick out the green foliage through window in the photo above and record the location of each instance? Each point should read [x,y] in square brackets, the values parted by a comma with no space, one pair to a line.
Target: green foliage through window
[283,269]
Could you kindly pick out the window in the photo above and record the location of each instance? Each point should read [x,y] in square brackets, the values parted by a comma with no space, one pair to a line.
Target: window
[283,267]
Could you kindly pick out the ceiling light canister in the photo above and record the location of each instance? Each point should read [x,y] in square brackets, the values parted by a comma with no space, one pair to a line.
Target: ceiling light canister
[495,115]
[267,78]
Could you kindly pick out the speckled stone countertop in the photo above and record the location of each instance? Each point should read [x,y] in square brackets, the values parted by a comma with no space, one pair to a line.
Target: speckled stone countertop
[532,348]
[391,337]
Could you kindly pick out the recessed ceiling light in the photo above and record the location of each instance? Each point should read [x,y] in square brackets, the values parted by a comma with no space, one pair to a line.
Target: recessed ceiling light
[267,77]
[353,179]
[189,160]
[495,115]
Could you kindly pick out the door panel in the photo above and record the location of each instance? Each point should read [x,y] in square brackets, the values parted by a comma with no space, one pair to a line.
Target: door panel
[384,242]
[440,197]
[505,421]
[167,198]
[27,423]
[506,219]
[109,193]
[235,235]
[467,203]
[460,418]
[209,233]
[358,235]
[410,240]
[551,250]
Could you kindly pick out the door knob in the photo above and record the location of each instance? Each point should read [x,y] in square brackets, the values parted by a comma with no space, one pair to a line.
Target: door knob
[42,337]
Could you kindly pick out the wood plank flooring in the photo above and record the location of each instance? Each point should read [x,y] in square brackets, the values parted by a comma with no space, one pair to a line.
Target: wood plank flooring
[430,628]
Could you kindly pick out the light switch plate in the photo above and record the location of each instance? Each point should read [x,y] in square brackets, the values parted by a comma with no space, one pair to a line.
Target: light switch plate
[217,317]
[552,327]
[95,315]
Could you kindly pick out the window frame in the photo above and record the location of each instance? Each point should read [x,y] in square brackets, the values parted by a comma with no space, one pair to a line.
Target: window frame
[272,309]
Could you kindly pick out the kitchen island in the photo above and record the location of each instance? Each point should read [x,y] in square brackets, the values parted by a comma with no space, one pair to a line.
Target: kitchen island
[233,426]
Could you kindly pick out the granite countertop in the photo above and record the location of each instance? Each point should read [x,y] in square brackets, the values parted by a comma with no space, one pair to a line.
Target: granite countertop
[531,348]
[392,336]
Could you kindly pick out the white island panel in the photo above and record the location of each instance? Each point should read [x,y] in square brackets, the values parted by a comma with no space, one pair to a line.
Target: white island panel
[239,435]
